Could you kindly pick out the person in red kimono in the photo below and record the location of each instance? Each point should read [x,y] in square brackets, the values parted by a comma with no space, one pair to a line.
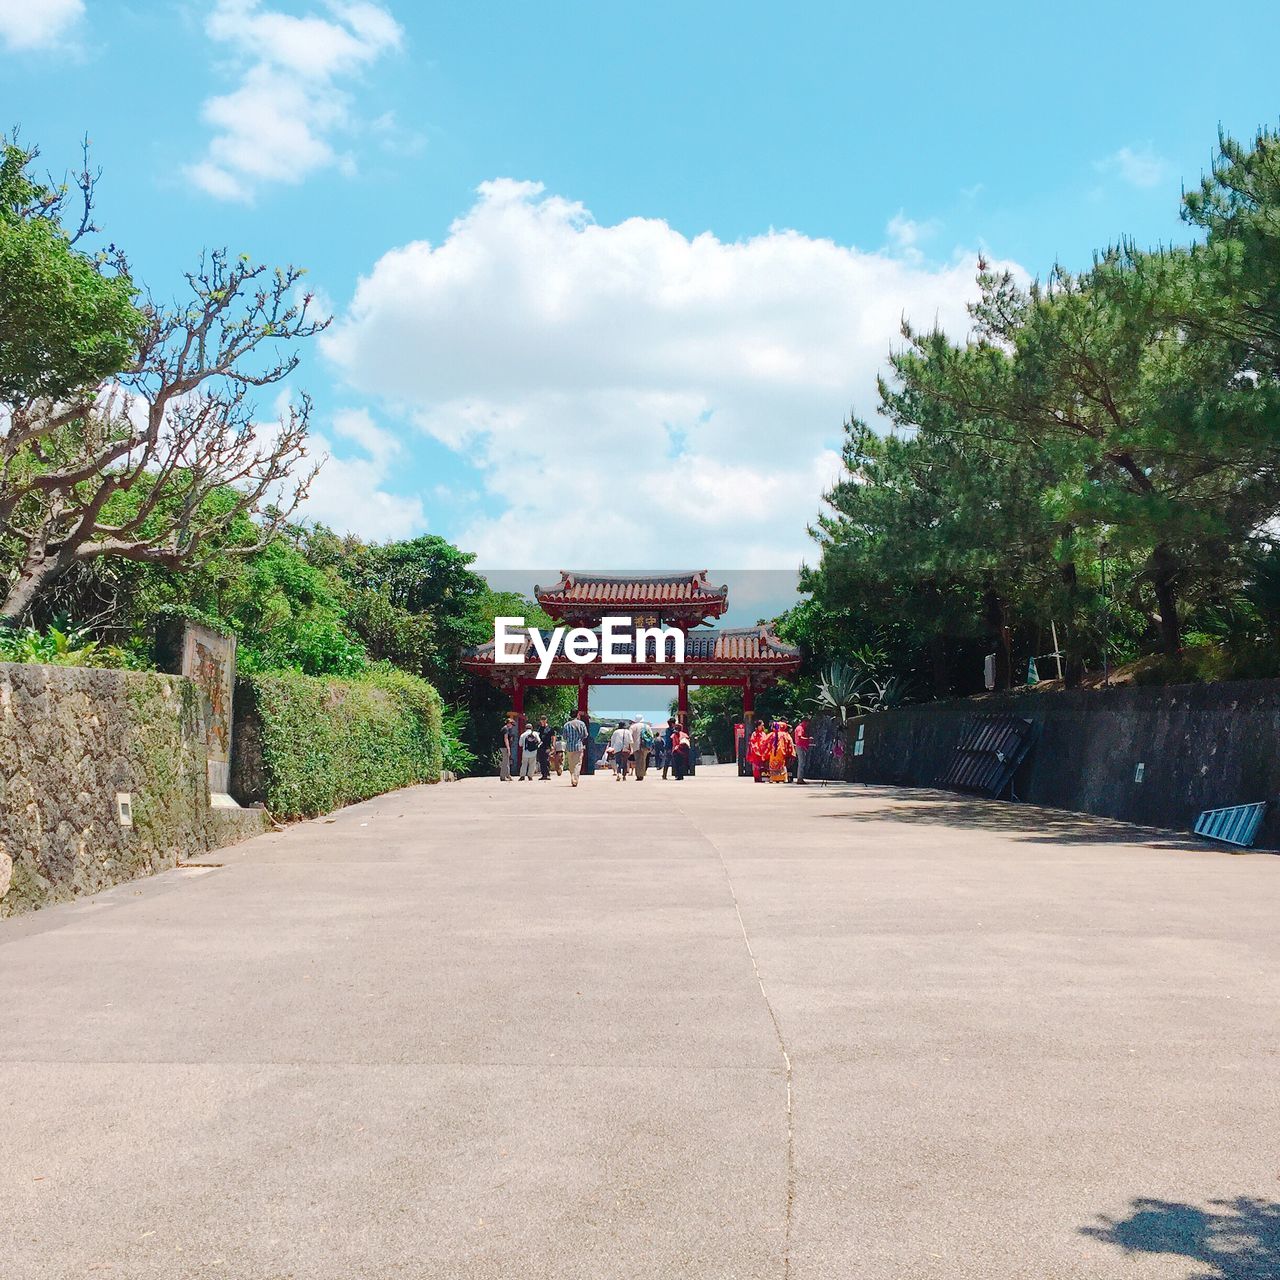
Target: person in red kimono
[756,751]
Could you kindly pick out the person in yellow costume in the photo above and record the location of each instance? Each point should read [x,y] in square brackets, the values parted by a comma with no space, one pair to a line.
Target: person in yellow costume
[779,748]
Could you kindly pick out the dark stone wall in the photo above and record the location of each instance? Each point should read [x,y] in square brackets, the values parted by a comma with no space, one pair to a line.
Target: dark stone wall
[70,739]
[1204,746]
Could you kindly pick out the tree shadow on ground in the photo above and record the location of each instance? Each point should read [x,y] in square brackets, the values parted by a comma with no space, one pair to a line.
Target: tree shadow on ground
[1031,823]
[1226,1240]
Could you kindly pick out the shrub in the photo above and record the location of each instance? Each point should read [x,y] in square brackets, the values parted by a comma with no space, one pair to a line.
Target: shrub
[458,758]
[326,741]
[58,645]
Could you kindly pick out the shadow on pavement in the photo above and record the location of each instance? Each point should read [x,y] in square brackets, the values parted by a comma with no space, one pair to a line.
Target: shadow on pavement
[1228,1240]
[1031,823]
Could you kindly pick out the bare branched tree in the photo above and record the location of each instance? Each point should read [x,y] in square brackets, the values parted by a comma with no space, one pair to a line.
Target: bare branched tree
[158,461]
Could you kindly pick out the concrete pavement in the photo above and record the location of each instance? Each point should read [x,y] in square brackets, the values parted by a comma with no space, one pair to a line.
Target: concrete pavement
[653,1030]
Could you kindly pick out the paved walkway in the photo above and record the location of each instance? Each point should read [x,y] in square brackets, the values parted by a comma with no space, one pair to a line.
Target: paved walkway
[656,1030]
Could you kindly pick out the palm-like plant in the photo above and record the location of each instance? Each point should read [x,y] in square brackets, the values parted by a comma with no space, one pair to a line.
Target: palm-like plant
[842,691]
[54,647]
[859,685]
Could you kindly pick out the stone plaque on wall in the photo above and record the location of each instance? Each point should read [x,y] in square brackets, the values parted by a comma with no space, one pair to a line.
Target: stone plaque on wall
[209,662]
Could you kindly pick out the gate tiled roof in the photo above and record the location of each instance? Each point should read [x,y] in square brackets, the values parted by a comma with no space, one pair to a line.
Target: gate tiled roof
[634,590]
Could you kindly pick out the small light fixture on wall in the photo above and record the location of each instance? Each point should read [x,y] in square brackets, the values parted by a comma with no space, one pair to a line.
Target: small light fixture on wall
[124,808]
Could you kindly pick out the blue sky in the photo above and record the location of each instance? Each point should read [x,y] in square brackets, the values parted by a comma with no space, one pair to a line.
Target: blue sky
[625,268]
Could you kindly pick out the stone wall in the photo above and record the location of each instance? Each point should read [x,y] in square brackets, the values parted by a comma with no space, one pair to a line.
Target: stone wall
[1202,746]
[71,738]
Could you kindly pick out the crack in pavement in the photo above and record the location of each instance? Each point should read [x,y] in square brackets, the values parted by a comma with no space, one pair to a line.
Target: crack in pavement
[782,1045]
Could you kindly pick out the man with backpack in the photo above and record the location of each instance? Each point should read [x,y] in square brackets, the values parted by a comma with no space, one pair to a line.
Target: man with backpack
[530,745]
[641,745]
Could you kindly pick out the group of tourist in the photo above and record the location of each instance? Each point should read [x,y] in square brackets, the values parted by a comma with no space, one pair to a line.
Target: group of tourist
[638,745]
[633,747]
[775,753]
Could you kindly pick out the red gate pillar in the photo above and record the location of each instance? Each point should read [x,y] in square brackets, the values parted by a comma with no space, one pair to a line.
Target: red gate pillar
[748,726]
[682,704]
[584,714]
[517,704]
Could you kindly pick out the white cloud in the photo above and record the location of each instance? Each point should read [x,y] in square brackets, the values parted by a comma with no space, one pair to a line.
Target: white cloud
[278,124]
[348,495]
[906,234]
[1140,167]
[37,24]
[631,396]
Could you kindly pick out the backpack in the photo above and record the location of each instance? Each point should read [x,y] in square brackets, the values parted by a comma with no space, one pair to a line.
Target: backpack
[646,736]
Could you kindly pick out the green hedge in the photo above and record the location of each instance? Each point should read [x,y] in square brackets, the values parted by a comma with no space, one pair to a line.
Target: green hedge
[327,742]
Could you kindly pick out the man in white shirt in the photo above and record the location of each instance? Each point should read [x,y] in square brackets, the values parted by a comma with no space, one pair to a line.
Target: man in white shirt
[641,744]
[530,741]
[620,750]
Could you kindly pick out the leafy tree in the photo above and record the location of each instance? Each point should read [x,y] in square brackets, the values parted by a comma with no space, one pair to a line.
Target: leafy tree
[417,602]
[1150,434]
[173,420]
[1235,287]
[67,317]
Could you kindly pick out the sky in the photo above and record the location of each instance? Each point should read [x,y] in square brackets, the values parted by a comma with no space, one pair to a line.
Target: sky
[608,280]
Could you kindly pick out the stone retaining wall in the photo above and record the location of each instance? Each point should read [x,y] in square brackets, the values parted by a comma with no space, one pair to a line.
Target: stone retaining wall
[71,738]
[1202,746]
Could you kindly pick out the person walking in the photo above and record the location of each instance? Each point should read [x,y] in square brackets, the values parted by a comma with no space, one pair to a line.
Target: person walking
[544,750]
[658,753]
[530,745]
[557,752]
[641,745]
[575,742]
[680,751]
[803,743]
[506,749]
[667,734]
[620,750]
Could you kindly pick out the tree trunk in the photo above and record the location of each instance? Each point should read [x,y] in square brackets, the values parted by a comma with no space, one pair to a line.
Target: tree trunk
[997,625]
[1162,568]
[38,571]
[22,594]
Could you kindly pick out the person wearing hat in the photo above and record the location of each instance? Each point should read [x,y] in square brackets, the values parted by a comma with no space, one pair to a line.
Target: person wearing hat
[530,744]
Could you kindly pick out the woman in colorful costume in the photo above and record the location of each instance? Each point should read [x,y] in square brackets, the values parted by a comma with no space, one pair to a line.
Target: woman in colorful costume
[779,749]
[756,751]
